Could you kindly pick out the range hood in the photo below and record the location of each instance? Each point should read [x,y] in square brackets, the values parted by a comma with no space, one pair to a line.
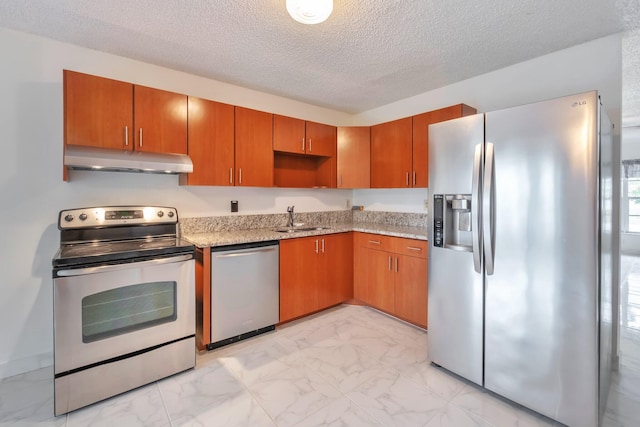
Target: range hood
[103,159]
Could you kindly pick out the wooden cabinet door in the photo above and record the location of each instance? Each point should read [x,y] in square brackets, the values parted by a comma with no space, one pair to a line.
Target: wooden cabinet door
[288,134]
[298,277]
[211,143]
[98,112]
[391,154]
[360,267]
[380,280]
[321,139]
[421,124]
[254,150]
[354,156]
[411,289]
[336,269]
[160,120]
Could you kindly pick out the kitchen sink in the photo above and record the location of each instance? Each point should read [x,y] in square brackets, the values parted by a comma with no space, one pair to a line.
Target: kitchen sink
[299,229]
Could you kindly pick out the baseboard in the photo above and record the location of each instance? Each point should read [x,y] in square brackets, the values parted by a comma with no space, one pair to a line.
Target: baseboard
[27,364]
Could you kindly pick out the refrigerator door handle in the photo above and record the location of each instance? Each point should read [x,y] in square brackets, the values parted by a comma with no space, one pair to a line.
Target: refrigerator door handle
[476,197]
[488,208]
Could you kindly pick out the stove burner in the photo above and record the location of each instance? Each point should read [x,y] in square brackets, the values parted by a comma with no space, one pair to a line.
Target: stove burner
[118,240]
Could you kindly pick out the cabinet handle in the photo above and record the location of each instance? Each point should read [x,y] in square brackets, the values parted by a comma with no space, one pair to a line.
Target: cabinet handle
[140,137]
[309,144]
[375,242]
[303,144]
[126,136]
[322,245]
[413,248]
[239,175]
[396,264]
[340,179]
[406,179]
[414,178]
[316,245]
[230,175]
[389,262]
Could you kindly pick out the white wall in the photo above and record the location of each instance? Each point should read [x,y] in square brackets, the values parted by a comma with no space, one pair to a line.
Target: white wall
[32,190]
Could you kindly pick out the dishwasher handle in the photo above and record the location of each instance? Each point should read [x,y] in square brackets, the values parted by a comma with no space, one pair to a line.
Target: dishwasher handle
[244,252]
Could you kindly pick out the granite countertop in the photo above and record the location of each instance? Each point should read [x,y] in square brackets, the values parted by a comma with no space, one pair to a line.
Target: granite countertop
[231,237]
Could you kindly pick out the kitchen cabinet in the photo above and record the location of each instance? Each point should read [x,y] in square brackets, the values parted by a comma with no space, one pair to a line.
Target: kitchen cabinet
[106,113]
[254,152]
[391,154]
[297,136]
[354,156]
[159,120]
[211,143]
[315,273]
[98,112]
[304,153]
[421,124]
[391,275]
[400,148]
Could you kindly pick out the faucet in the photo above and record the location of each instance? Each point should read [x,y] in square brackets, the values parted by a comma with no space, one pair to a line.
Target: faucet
[290,211]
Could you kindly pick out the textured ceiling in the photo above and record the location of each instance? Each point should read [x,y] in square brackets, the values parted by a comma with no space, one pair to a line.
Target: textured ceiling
[367,54]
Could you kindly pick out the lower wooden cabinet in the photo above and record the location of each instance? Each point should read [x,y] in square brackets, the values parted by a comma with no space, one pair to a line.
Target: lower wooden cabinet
[391,274]
[315,273]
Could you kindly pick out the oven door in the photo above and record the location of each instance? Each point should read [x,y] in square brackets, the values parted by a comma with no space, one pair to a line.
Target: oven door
[110,311]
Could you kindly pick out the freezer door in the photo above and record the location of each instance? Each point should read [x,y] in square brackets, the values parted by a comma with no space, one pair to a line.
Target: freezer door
[455,288]
[541,318]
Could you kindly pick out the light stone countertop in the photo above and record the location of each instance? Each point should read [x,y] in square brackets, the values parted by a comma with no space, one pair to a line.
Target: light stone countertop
[231,237]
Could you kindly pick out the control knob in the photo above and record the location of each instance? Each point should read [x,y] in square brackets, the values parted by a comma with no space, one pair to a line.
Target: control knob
[68,218]
[170,214]
[160,214]
[83,216]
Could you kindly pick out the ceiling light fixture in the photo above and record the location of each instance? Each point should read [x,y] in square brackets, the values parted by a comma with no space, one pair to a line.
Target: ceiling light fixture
[310,11]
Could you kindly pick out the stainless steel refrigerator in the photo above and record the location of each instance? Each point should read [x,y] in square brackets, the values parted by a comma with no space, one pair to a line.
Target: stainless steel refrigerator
[520,267]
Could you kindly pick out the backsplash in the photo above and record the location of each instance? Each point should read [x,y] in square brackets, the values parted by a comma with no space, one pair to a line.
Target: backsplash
[251,222]
[391,218]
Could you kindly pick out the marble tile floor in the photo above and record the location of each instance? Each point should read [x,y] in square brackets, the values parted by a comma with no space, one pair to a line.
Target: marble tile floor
[348,366]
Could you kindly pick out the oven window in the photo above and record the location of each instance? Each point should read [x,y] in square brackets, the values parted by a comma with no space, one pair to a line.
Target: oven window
[127,309]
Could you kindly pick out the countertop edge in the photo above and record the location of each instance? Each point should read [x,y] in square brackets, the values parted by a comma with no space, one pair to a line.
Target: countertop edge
[233,237]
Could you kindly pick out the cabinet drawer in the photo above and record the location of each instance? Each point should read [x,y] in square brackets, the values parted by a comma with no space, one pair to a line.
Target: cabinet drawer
[410,247]
[374,241]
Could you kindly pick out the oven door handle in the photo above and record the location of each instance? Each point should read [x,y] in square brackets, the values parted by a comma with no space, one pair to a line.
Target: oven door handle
[116,267]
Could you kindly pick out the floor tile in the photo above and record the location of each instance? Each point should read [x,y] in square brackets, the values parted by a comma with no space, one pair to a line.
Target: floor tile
[497,412]
[396,401]
[453,416]
[140,407]
[198,393]
[340,413]
[291,395]
[27,399]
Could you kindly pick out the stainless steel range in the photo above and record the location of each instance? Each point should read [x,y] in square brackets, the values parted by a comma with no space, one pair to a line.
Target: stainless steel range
[124,302]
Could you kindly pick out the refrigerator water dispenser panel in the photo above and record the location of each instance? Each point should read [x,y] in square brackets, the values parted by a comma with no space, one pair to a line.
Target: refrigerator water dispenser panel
[452,221]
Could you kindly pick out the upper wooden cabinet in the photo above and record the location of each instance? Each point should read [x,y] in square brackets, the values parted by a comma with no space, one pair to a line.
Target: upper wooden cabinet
[297,136]
[211,143]
[400,149]
[353,156]
[106,113]
[421,124]
[391,154]
[254,151]
[160,120]
[98,112]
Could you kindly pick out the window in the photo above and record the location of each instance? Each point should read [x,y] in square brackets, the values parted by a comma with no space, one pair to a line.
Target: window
[633,204]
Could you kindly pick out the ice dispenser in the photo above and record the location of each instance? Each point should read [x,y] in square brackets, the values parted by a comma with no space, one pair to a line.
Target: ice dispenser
[452,221]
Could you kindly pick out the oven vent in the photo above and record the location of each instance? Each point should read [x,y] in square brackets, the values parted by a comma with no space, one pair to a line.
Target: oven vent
[103,159]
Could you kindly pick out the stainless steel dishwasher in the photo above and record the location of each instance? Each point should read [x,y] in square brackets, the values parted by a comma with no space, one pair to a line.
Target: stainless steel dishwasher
[245,291]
